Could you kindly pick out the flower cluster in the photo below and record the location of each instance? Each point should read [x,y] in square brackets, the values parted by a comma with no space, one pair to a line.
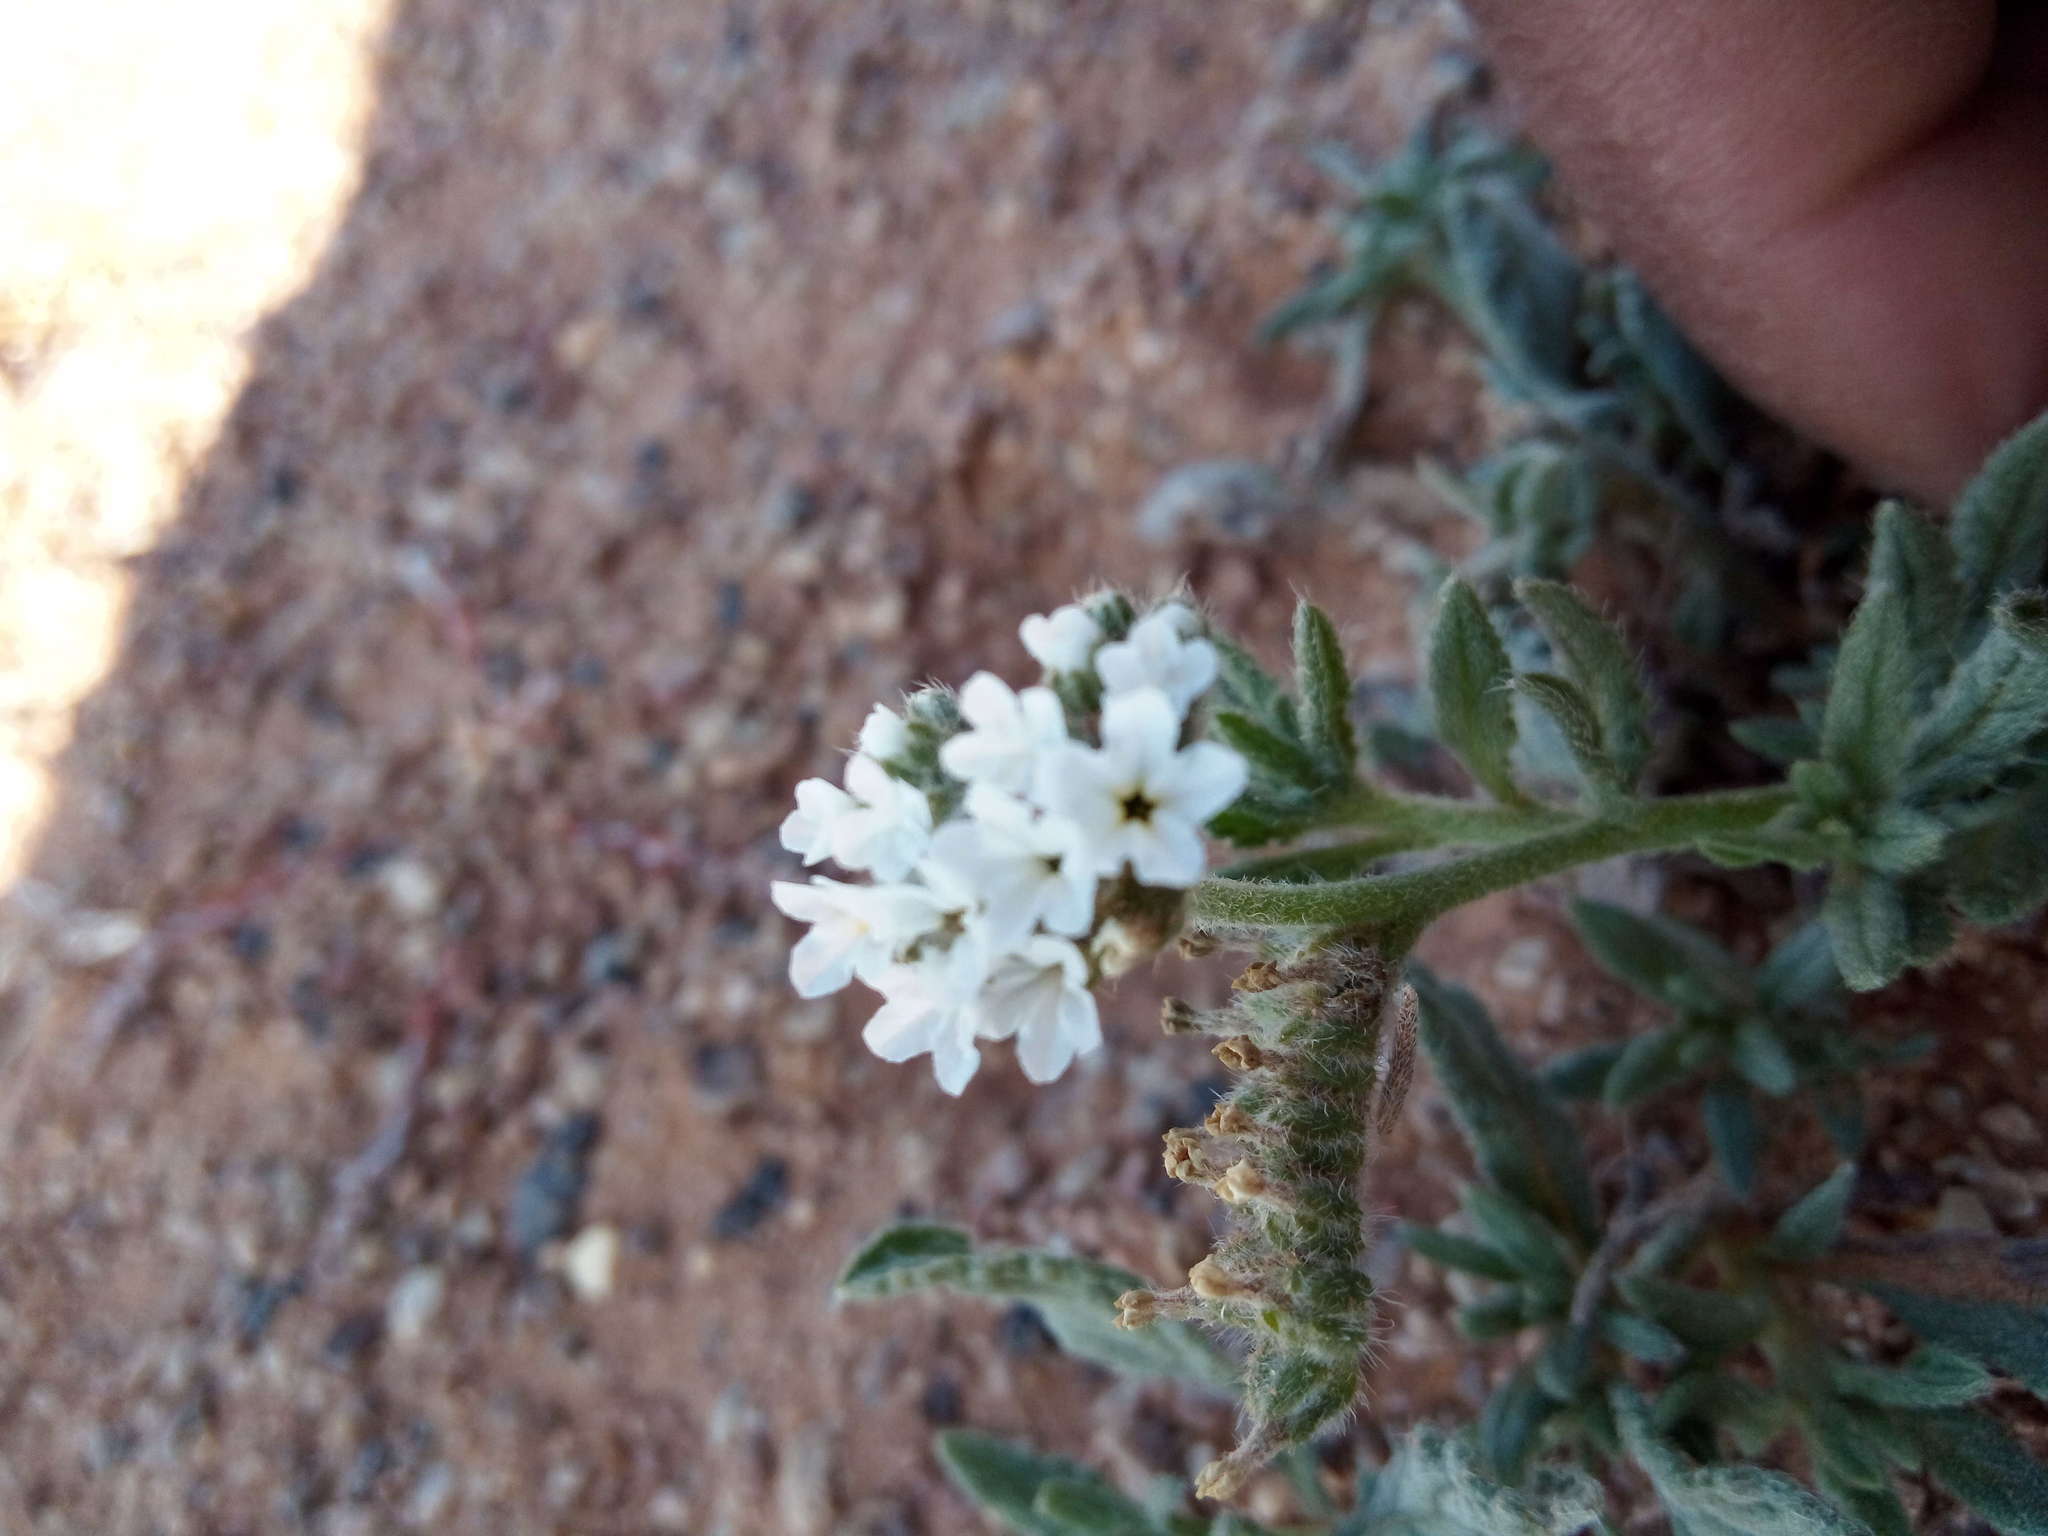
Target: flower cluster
[1014,840]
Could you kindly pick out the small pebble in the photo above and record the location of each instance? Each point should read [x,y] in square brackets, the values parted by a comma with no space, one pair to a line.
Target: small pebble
[940,1401]
[546,1196]
[412,1304]
[590,1260]
[2011,1125]
[1962,1210]
[754,1202]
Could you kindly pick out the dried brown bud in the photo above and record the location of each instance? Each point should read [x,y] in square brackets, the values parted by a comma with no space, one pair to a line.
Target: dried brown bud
[1240,1053]
[1242,1182]
[1226,1119]
[1259,976]
[1177,1016]
[1194,946]
[1184,1155]
[1135,1309]
[1223,1478]
[1400,1067]
[1211,1280]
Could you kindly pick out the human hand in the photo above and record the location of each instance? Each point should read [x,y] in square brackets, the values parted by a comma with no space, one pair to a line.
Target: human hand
[1845,202]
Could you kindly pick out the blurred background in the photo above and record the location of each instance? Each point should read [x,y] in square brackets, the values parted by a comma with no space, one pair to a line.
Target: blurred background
[461,462]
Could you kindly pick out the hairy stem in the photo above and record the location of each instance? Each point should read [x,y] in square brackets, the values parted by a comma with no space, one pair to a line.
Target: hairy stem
[1397,907]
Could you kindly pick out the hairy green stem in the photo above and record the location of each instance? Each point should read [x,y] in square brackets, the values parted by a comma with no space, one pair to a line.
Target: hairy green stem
[1397,907]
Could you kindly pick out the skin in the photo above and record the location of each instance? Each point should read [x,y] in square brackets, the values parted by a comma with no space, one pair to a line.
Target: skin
[1845,202]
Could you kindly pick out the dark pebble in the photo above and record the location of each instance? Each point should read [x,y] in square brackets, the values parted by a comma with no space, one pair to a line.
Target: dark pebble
[547,1195]
[286,483]
[609,960]
[1021,1332]
[300,834]
[940,1402]
[504,668]
[367,860]
[353,1337]
[257,1302]
[732,605]
[250,941]
[371,1462]
[589,671]
[725,1072]
[309,1007]
[754,1202]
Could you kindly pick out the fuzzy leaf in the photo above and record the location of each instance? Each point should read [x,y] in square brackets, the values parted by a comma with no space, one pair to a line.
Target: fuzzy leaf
[1931,1377]
[1432,1486]
[1594,655]
[1724,1501]
[1246,688]
[1648,1065]
[1695,394]
[1910,556]
[1496,1314]
[1520,1136]
[1709,1321]
[1730,1116]
[2010,1337]
[1674,963]
[2000,524]
[1276,759]
[1513,282]
[1528,1242]
[1453,1250]
[1582,1073]
[1978,1460]
[1638,1336]
[1780,739]
[1508,1425]
[1469,673]
[1799,974]
[1878,1508]
[1813,1224]
[1573,715]
[1075,1296]
[1869,926]
[1566,1363]
[1014,1483]
[1324,684]
[1867,724]
[1994,707]
[1994,870]
[1760,1056]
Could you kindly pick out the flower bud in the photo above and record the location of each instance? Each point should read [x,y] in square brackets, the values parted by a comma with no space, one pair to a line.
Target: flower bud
[1240,1053]
[1211,1280]
[1241,1182]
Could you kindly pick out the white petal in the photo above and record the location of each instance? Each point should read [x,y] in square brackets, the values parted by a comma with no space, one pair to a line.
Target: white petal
[1062,640]
[986,701]
[822,962]
[954,1063]
[1142,727]
[1203,779]
[883,735]
[1170,854]
[901,1028]
[805,903]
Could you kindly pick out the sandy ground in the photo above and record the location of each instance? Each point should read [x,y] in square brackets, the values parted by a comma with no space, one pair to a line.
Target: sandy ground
[407,1125]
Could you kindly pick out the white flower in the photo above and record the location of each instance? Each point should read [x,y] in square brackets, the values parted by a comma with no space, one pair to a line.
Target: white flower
[888,828]
[1010,734]
[930,1008]
[1024,868]
[1063,640]
[1158,653]
[883,735]
[1139,798]
[855,929]
[808,830]
[1040,995]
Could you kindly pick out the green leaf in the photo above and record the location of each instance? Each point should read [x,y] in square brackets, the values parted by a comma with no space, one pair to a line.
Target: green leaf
[1695,394]
[1800,973]
[1469,675]
[1760,1056]
[1780,739]
[1277,759]
[1986,721]
[1724,1501]
[1878,1508]
[1246,688]
[1931,1377]
[1566,1363]
[1514,1415]
[1898,840]
[1869,926]
[2000,524]
[1496,1314]
[1573,715]
[1530,1243]
[1977,1460]
[1638,1336]
[1651,1063]
[1513,282]
[1743,1411]
[1087,1506]
[1007,1481]
[1994,871]
[1867,724]
[1452,1250]
[1814,1224]
[2010,1337]
[1730,1116]
[1672,962]
[1709,1321]
[1324,685]
[1594,655]
[1582,1073]
[1432,1486]
[1520,1136]
[1077,1298]
[1910,556]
